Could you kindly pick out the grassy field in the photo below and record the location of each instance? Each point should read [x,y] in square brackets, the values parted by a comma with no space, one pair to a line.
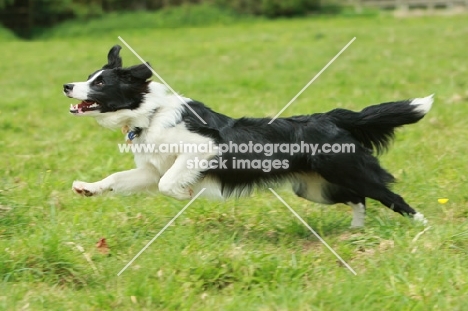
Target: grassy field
[247,254]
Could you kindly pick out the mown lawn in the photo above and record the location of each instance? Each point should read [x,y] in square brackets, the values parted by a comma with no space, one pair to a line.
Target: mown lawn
[247,254]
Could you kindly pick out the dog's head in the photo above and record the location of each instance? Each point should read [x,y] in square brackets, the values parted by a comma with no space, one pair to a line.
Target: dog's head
[111,88]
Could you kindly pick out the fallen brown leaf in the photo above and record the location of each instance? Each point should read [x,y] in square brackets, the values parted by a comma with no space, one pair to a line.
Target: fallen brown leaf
[102,246]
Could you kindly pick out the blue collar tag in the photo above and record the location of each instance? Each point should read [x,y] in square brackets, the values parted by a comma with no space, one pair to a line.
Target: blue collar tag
[131,135]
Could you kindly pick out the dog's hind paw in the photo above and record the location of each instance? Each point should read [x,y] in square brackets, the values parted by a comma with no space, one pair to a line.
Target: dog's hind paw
[420,218]
[86,189]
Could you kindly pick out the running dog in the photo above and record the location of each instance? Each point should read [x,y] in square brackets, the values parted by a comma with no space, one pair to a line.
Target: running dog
[149,113]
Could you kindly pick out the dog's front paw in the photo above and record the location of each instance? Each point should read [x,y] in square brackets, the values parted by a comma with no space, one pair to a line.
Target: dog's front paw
[176,192]
[86,189]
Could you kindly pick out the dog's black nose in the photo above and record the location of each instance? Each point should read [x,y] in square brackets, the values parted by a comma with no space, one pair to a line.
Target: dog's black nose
[68,87]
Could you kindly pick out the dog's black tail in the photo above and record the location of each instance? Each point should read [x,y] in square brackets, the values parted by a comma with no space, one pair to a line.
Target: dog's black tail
[375,125]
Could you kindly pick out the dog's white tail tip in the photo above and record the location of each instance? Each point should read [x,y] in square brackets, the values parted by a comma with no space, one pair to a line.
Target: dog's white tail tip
[423,105]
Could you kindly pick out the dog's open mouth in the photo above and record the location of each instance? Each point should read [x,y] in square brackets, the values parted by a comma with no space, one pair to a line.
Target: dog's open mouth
[84,106]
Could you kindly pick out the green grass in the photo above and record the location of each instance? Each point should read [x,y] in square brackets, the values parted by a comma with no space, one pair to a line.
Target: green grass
[248,254]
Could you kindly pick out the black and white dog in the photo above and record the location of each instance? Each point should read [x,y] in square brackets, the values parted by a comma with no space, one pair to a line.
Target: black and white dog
[125,98]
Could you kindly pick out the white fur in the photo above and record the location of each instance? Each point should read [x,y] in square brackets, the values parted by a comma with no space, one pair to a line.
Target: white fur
[313,185]
[359,214]
[131,181]
[81,89]
[423,105]
[212,186]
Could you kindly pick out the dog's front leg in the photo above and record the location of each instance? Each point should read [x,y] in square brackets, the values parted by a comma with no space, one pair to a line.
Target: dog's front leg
[178,180]
[131,181]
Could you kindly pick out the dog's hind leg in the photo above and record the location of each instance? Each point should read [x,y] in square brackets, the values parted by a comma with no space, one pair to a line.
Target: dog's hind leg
[315,188]
[339,194]
[395,202]
[359,214]
[368,179]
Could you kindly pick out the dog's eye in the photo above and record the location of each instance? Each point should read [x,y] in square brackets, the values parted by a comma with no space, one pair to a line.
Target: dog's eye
[99,83]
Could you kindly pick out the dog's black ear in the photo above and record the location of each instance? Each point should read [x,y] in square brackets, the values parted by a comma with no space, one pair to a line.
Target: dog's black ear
[113,58]
[142,71]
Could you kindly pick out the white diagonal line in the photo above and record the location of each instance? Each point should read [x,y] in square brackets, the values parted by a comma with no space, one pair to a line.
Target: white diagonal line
[161,79]
[312,230]
[160,232]
[312,81]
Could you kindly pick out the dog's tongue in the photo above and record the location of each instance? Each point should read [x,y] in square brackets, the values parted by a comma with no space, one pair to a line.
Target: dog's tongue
[85,105]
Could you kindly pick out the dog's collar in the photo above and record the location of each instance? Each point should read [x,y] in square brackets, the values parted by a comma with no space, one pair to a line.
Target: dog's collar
[131,134]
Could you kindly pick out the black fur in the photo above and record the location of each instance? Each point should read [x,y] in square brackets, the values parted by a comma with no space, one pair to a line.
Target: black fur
[120,88]
[349,177]
[113,58]
[375,126]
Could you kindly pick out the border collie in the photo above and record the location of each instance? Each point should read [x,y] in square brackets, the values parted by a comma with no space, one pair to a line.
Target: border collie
[149,113]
